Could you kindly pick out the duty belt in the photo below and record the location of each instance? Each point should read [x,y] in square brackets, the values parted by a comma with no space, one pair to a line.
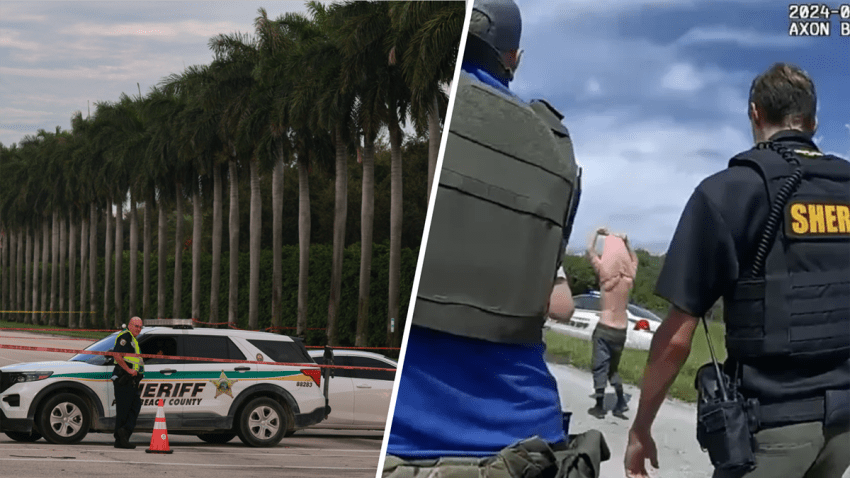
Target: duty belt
[790,412]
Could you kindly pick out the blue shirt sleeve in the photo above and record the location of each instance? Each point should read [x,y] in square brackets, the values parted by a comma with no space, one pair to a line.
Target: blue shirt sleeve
[701,262]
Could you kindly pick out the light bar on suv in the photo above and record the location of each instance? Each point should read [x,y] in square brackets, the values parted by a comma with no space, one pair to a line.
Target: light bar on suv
[173,323]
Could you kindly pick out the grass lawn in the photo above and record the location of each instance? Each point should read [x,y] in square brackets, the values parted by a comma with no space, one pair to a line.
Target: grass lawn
[577,352]
[64,333]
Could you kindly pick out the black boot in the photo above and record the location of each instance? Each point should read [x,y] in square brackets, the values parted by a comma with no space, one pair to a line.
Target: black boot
[122,440]
[598,410]
[620,408]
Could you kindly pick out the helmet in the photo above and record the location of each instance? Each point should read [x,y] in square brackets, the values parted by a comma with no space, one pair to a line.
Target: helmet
[505,24]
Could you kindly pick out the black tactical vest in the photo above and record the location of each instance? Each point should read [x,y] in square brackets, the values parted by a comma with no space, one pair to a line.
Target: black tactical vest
[800,306]
[507,193]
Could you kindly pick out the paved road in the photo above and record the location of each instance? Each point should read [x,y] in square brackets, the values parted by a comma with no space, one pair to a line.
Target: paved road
[9,337]
[308,453]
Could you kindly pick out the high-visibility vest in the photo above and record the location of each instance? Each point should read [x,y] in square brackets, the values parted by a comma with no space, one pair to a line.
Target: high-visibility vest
[136,362]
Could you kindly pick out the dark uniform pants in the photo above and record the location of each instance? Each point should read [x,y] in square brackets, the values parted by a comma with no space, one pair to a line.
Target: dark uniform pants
[608,344]
[127,406]
[803,450]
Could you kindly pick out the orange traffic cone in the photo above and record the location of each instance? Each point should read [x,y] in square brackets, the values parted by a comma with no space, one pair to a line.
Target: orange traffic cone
[159,440]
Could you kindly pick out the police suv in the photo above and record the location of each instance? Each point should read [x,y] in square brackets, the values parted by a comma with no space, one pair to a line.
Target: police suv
[63,401]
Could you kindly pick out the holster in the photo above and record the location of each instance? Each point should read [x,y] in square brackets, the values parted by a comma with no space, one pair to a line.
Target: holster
[724,427]
[837,410]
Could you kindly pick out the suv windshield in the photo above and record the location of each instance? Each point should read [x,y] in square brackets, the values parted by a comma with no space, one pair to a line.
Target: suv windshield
[103,345]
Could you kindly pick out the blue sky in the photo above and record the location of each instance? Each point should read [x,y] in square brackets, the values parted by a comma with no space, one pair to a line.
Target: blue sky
[655,94]
[56,56]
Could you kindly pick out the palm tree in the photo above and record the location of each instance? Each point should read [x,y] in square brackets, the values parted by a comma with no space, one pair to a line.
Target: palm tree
[333,114]
[205,148]
[427,36]
[364,35]
[300,33]
[272,121]
[238,54]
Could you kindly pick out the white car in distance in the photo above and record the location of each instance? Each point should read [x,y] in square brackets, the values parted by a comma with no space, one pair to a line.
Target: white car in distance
[588,307]
[359,399]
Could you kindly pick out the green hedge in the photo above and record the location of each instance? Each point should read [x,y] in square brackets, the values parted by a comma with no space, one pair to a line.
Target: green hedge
[319,290]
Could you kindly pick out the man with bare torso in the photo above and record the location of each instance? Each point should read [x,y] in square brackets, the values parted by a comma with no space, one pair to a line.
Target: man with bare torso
[616,268]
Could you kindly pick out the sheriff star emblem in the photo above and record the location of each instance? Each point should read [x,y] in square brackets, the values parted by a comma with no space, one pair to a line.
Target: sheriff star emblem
[223,385]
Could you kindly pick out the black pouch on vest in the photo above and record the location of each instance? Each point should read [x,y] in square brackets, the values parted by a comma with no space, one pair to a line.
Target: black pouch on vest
[723,427]
[837,409]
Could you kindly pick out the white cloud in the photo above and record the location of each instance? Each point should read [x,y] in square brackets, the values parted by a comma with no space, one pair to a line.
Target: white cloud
[16,115]
[748,38]
[12,40]
[167,30]
[639,172]
[682,77]
[593,88]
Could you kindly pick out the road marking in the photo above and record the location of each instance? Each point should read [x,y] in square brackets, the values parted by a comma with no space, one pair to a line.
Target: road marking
[212,465]
[185,448]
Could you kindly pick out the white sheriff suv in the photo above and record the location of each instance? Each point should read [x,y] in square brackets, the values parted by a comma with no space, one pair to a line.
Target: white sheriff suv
[63,401]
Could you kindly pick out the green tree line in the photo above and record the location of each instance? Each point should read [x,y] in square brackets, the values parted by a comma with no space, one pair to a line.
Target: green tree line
[300,94]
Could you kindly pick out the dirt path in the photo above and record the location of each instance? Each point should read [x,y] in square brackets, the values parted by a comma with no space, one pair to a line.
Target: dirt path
[674,431]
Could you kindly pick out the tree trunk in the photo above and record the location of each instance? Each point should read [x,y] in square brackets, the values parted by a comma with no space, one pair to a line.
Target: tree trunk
[13,274]
[340,212]
[433,143]
[197,218]
[84,270]
[35,269]
[277,238]
[233,297]
[303,243]
[107,265]
[4,268]
[27,275]
[119,318]
[19,276]
[160,261]
[146,259]
[254,229]
[395,233]
[178,254]
[215,274]
[63,255]
[73,317]
[45,261]
[92,262]
[367,217]
[134,256]
[54,274]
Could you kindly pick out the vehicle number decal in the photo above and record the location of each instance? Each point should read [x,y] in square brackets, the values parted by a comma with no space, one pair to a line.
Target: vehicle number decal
[305,384]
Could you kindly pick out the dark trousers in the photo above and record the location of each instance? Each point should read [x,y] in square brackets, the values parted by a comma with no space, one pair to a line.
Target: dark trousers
[608,345]
[127,406]
[804,450]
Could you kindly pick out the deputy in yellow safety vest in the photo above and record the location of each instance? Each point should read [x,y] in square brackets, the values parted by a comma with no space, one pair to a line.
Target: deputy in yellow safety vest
[125,379]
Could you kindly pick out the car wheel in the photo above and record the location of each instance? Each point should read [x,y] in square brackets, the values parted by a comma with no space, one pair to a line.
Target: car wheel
[289,433]
[64,419]
[217,437]
[23,437]
[263,422]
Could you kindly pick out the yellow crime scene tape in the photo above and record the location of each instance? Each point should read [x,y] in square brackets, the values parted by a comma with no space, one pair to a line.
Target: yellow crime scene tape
[44,312]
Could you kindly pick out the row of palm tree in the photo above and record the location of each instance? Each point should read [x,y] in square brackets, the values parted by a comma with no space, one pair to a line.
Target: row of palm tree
[300,90]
